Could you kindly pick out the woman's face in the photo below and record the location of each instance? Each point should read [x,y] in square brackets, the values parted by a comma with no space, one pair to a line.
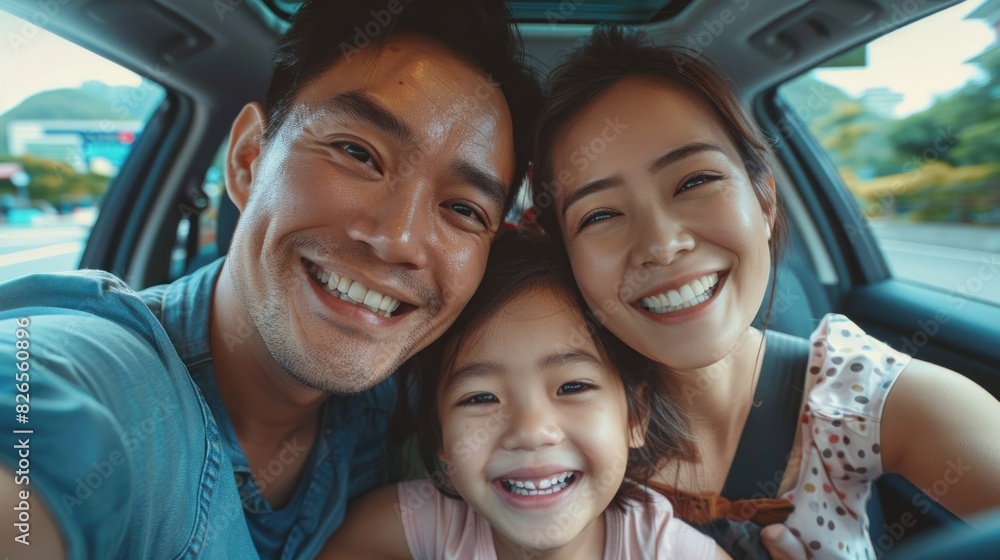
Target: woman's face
[666,237]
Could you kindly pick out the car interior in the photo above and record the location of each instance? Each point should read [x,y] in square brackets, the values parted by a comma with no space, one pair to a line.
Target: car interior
[212,57]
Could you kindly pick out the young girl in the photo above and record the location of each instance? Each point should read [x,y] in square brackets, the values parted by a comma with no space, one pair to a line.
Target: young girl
[658,185]
[531,437]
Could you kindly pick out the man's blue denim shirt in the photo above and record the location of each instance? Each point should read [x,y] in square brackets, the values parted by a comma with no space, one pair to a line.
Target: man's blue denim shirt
[131,447]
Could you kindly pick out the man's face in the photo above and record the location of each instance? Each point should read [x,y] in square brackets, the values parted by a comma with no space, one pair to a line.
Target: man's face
[367,217]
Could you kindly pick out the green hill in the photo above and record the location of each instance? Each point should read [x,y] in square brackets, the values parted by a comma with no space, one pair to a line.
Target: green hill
[91,101]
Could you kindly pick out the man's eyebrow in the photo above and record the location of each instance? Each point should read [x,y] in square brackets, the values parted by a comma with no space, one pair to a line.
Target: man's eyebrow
[669,158]
[677,154]
[361,106]
[475,370]
[483,181]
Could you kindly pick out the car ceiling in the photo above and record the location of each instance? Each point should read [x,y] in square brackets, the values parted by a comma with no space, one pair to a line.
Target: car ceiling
[185,43]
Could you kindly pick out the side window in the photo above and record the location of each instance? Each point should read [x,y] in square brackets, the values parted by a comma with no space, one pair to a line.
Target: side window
[912,123]
[68,121]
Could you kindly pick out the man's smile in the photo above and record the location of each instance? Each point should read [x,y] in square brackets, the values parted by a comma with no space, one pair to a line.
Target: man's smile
[356,293]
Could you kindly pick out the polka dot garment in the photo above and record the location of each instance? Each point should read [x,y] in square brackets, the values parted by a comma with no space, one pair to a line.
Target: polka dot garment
[847,381]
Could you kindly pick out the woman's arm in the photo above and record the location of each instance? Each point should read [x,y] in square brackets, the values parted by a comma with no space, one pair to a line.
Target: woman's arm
[939,430]
[372,530]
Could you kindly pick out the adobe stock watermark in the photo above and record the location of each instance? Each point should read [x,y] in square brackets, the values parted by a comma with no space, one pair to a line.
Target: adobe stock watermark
[711,29]
[896,530]
[47,11]
[607,481]
[364,34]
[900,13]
[134,437]
[928,328]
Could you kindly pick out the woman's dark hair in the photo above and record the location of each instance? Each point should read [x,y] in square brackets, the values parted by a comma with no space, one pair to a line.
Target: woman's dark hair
[520,261]
[325,31]
[613,54]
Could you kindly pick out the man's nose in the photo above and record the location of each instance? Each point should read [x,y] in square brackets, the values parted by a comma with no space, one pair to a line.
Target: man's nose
[397,227]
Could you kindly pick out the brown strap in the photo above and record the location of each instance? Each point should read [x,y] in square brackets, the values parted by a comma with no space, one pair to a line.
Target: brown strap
[702,508]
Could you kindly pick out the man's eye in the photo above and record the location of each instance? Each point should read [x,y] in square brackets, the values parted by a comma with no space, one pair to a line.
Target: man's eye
[357,152]
[573,387]
[468,211]
[481,398]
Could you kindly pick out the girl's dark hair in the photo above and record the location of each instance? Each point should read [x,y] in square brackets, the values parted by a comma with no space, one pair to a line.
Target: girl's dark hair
[613,54]
[520,261]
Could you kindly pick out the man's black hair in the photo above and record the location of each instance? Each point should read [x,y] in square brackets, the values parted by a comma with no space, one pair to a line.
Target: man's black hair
[325,31]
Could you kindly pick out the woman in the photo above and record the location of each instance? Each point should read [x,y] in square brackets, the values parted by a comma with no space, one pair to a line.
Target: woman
[657,183]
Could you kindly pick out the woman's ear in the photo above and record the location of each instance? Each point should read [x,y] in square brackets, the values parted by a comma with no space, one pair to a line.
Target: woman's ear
[244,149]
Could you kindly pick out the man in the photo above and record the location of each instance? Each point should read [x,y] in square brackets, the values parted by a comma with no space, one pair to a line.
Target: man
[196,419]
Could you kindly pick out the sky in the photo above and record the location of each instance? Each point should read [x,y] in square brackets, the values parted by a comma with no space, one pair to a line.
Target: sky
[913,61]
[25,48]
[906,61]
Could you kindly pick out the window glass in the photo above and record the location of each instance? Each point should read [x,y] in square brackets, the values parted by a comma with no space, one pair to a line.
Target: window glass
[912,123]
[68,121]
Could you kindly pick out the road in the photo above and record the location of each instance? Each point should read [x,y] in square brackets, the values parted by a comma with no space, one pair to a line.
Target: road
[951,257]
[959,258]
[54,247]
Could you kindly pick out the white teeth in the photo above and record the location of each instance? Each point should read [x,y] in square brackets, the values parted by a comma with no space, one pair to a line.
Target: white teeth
[674,298]
[692,293]
[355,292]
[343,285]
[540,487]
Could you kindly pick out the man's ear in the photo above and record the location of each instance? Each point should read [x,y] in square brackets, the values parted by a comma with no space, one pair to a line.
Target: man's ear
[244,149]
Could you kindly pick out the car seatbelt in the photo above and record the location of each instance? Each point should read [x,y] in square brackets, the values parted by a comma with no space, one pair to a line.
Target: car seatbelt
[767,439]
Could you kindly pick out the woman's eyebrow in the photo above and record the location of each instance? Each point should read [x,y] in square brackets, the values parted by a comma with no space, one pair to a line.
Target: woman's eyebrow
[677,154]
[359,105]
[590,188]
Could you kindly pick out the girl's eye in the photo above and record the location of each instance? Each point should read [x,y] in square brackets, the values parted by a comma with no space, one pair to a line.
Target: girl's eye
[481,398]
[357,152]
[596,216]
[697,181]
[573,387]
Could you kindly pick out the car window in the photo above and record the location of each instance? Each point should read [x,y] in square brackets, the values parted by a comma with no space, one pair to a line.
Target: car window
[68,121]
[912,123]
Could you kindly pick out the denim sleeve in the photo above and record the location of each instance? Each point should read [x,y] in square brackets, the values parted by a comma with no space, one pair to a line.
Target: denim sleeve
[74,457]
[122,448]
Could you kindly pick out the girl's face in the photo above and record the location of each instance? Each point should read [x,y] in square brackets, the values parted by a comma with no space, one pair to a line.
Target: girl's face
[534,424]
[667,240]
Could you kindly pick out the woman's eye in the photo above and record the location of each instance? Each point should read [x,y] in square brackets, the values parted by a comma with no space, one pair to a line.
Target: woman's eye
[596,216]
[357,152]
[481,398]
[573,387]
[697,181]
